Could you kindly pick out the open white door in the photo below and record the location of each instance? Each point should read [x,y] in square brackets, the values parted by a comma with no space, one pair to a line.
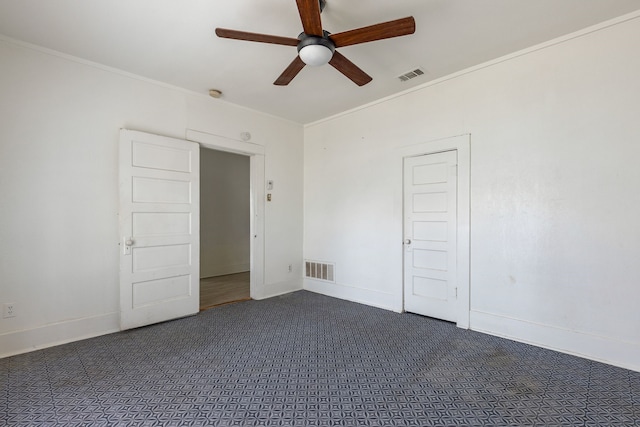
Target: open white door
[159,228]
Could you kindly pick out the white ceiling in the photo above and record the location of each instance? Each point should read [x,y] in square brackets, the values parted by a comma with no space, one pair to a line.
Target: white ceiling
[173,41]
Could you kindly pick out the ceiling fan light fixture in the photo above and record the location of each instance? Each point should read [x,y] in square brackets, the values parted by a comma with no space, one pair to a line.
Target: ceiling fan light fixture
[315,55]
[315,51]
[316,46]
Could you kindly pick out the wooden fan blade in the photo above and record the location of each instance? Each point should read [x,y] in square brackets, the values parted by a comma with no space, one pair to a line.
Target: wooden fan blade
[255,37]
[310,16]
[384,30]
[290,72]
[349,69]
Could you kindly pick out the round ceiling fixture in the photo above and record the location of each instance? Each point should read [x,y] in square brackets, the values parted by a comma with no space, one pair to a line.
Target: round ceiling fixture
[314,50]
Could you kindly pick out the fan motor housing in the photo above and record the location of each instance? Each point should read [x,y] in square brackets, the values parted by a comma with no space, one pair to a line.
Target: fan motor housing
[307,40]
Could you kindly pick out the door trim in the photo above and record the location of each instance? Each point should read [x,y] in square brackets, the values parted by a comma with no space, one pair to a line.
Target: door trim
[461,144]
[257,205]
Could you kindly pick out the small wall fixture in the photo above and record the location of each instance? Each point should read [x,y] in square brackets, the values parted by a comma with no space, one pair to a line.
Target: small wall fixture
[215,93]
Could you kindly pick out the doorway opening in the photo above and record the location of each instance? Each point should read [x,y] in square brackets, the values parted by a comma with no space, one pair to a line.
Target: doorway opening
[225,232]
[256,154]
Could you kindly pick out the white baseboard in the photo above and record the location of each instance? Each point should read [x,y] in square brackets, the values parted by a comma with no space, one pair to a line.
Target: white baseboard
[19,342]
[222,270]
[278,288]
[370,297]
[608,350]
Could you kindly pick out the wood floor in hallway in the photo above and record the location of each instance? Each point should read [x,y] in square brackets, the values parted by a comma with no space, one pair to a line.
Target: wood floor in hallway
[224,289]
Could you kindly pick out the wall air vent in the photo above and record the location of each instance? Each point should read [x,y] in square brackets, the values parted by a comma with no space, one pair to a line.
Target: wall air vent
[411,75]
[320,271]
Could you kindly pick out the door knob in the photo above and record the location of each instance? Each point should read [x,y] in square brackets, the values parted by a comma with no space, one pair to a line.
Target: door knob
[127,245]
[407,241]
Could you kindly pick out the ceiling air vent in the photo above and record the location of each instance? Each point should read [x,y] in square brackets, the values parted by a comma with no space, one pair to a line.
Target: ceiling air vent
[411,75]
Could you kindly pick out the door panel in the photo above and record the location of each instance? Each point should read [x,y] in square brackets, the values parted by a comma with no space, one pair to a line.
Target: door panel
[430,224]
[156,190]
[159,229]
[430,287]
[147,224]
[153,156]
[154,292]
[430,259]
[429,174]
[435,231]
[158,258]
[430,202]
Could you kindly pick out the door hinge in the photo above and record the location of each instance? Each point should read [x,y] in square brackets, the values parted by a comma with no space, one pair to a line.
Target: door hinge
[455,292]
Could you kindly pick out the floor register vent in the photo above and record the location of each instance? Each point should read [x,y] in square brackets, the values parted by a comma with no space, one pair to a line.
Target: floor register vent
[320,271]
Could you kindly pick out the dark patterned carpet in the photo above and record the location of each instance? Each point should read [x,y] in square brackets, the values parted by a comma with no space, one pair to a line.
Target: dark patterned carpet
[308,360]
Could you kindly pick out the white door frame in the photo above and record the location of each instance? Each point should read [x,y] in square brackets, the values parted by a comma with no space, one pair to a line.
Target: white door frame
[462,144]
[257,191]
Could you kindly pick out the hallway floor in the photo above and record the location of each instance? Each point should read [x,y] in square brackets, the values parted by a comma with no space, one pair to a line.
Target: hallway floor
[224,289]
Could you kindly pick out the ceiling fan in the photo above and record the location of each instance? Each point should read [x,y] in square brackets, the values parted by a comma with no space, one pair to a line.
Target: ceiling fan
[318,47]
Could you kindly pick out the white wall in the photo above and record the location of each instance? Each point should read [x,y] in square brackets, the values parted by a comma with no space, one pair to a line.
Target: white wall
[555,237]
[224,213]
[60,120]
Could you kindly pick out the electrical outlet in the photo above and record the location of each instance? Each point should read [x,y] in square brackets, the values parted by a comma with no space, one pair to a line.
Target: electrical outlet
[9,310]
